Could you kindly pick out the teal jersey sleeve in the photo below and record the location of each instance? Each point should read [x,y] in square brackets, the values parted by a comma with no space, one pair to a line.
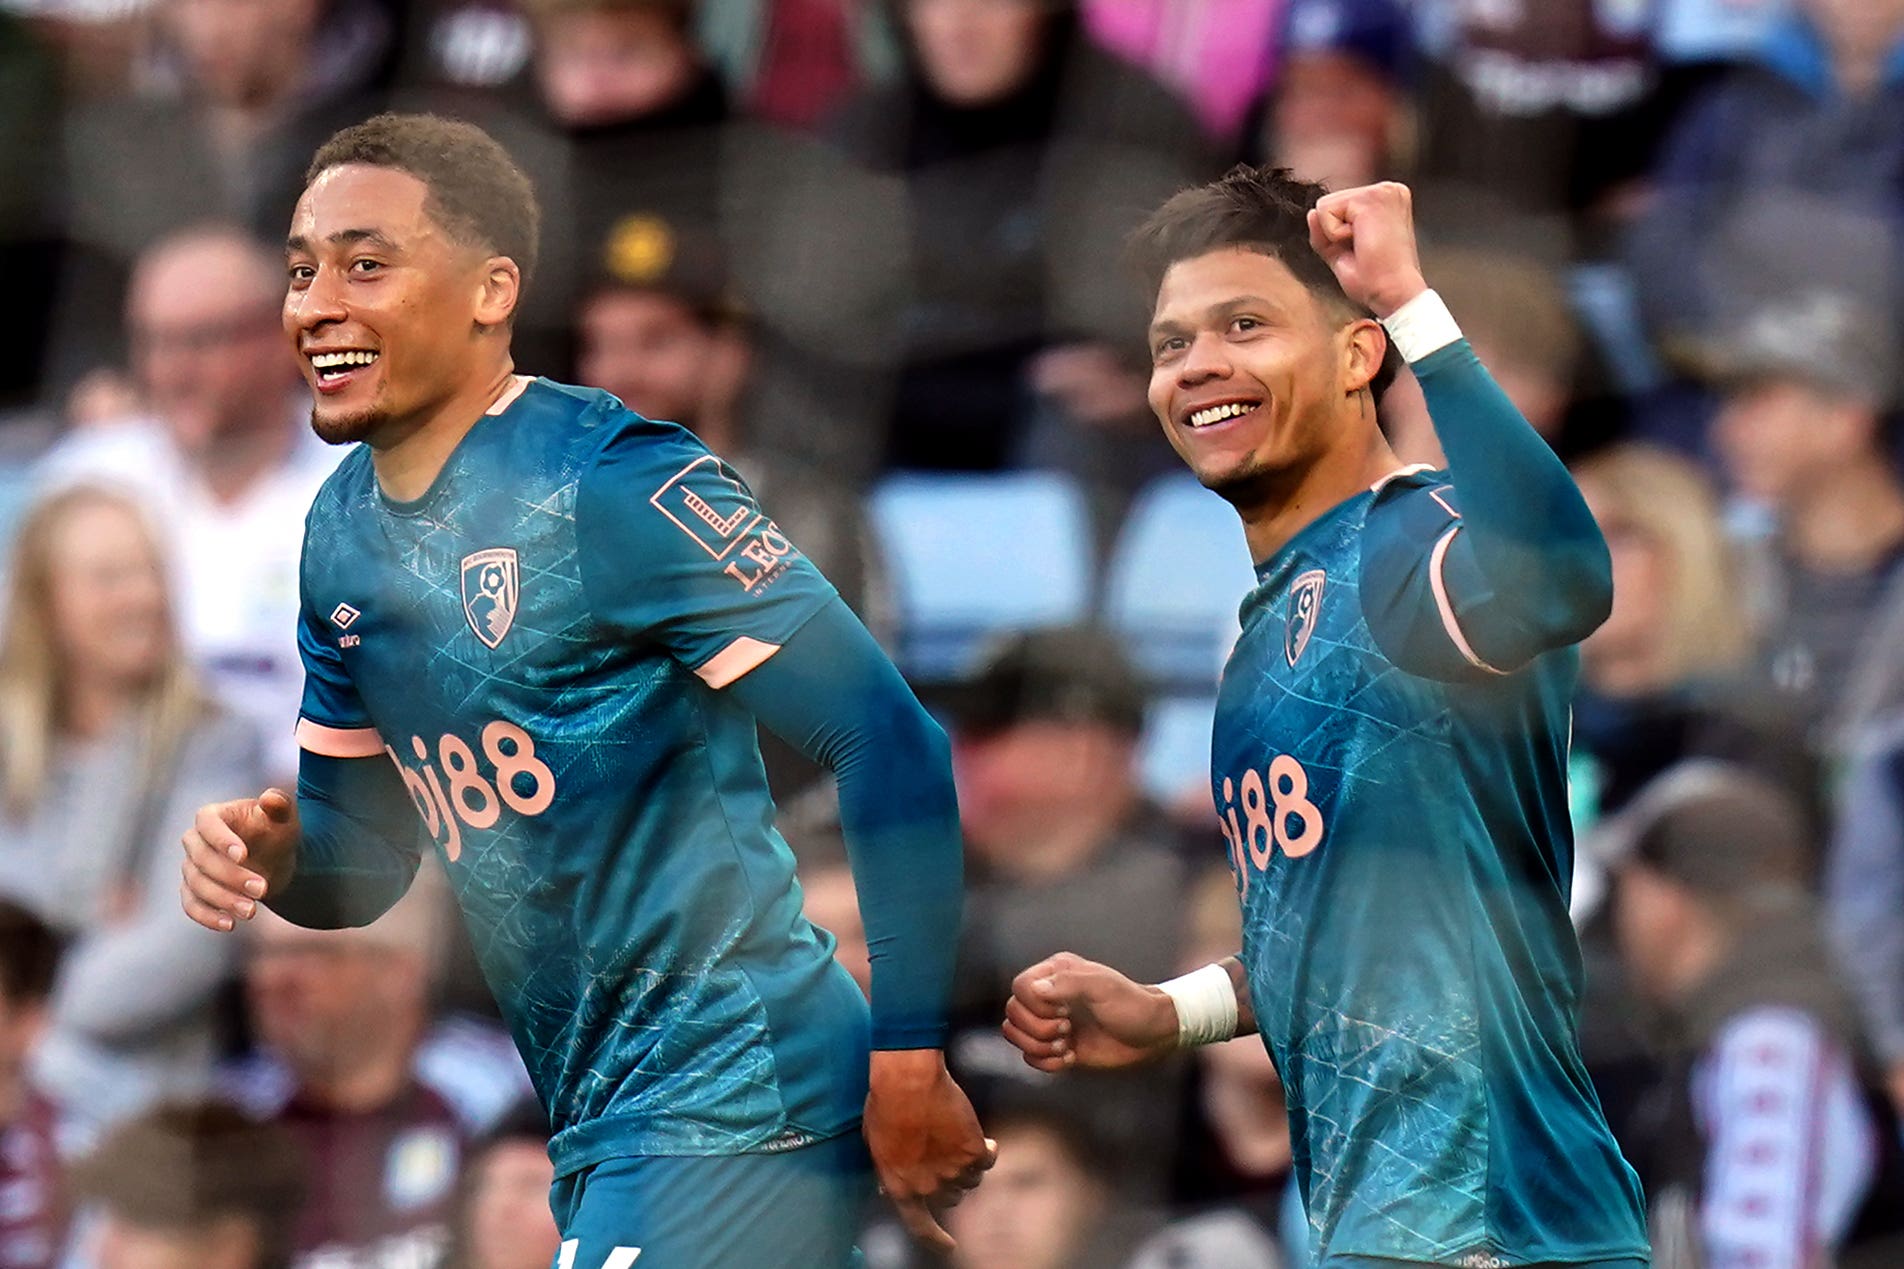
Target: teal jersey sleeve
[330,699]
[834,695]
[675,549]
[1479,571]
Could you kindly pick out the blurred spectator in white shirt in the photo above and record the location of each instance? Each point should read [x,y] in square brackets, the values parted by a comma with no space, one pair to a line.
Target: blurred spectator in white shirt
[223,460]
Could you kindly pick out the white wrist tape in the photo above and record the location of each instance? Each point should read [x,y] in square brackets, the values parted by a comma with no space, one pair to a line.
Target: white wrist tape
[1206,1006]
[1422,326]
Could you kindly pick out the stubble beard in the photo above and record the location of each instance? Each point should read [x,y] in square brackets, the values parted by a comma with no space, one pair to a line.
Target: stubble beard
[347,429]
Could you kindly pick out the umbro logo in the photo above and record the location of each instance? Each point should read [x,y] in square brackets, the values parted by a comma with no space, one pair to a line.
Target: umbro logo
[343,615]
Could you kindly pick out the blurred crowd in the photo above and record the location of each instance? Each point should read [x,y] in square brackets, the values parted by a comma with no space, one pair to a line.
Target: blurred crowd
[869,250]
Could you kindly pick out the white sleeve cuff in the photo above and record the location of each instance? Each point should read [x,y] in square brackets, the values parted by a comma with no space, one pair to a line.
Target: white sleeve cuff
[1422,326]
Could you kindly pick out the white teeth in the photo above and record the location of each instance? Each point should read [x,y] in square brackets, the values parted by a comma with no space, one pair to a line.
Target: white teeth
[338,360]
[1218,413]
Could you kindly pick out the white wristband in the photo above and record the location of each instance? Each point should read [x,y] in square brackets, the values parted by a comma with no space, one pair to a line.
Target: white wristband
[1206,1006]
[1422,326]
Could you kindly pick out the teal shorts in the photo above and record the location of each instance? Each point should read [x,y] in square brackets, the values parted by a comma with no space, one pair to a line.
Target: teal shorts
[795,1209]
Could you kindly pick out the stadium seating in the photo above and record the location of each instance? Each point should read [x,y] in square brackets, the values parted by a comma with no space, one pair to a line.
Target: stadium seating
[974,556]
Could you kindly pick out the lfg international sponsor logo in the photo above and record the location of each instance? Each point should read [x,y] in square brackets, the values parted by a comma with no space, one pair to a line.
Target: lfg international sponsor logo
[706,502]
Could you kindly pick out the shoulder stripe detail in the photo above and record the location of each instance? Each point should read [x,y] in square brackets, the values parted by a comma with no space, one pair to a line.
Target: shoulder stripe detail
[509,394]
[1398,473]
[1437,564]
[339,742]
[735,660]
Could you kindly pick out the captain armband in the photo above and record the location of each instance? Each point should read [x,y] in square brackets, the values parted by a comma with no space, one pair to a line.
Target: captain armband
[1206,1006]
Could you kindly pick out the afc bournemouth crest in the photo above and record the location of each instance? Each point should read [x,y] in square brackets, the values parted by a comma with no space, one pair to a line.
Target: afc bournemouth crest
[491,586]
[1305,606]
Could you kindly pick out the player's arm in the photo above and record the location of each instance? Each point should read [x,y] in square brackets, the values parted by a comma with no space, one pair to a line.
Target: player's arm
[731,599]
[341,851]
[1519,566]
[1069,1012]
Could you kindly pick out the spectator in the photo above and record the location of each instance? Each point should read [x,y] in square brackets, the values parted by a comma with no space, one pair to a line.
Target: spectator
[502,1216]
[1784,171]
[346,1012]
[1064,852]
[1761,1145]
[1219,54]
[1341,112]
[225,113]
[1800,432]
[794,62]
[192,1184]
[226,461]
[1664,678]
[108,743]
[1514,311]
[619,113]
[1025,154]
[1545,117]
[1046,1204]
[33,1217]
[1864,891]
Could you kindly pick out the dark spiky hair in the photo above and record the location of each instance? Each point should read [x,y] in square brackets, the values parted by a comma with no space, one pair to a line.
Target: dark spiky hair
[1260,209]
[477,192]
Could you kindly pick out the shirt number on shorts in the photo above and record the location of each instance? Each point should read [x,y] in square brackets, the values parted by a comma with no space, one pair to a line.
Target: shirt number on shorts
[1265,810]
[453,787]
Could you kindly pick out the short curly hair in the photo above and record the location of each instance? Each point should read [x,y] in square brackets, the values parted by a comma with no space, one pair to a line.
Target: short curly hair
[477,192]
[1261,209]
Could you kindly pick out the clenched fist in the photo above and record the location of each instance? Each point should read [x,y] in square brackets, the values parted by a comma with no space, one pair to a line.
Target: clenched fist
[1367,236]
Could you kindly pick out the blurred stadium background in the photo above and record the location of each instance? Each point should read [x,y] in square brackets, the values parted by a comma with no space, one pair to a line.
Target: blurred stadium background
[869,251]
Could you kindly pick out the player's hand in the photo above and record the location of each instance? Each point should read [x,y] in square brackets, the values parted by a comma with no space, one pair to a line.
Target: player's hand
[925,1140]
[1067,1011]
[1367,236]
[236,853]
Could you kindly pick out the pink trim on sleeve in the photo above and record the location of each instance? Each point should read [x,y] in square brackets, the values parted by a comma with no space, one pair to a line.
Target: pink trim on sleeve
[338,742]
[735,660]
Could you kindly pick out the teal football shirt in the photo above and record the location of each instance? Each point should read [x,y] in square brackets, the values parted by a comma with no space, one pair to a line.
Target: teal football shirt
[538,642]
[1397,818]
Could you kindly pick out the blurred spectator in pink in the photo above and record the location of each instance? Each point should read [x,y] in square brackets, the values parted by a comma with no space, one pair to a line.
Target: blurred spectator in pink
[222,455]
[1218,54]
[1340,111]
[225,110]
[191,1184]
[33,1217]
[108,743]
[1806,382]
[1762,1144]
[1023,155]
[345,1013]
[1064,852]
[794,62]
[1543,111]
[502,1213]
[1790,161]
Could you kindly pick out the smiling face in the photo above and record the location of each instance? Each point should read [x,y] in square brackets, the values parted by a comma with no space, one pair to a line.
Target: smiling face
[390,315]
[1253,377]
